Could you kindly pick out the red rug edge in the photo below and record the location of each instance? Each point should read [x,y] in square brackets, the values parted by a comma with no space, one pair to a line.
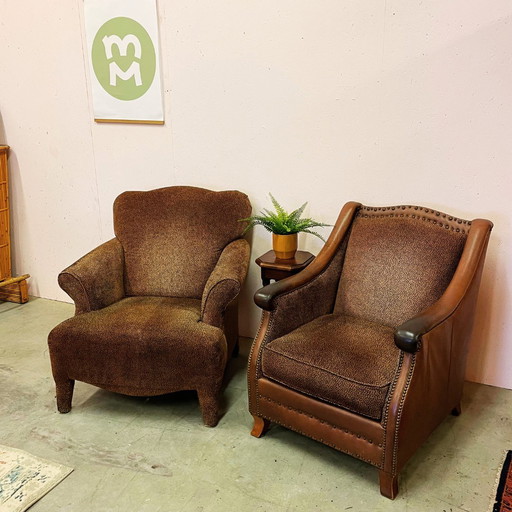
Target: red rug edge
[503,501]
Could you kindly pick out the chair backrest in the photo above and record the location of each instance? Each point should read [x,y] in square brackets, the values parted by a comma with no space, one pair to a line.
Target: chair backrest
[399,260]
[172,237]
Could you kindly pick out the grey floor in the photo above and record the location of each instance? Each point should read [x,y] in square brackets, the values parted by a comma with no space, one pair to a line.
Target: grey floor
[136,454]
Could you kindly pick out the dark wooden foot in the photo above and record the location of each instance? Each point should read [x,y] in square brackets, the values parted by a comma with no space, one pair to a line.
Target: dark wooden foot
[388,485]
[209,401]
[64,391]
[456,410]
[261,426]
[236,350]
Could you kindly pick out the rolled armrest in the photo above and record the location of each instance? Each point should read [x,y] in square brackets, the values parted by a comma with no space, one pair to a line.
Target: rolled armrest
[225,282]
[409,334]
[265,297]
[96,280]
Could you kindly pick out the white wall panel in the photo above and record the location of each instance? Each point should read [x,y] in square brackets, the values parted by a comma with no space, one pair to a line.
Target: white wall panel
[384,102]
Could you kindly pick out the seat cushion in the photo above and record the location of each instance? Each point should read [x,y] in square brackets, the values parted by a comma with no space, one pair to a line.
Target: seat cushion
[140,346]
[342,360]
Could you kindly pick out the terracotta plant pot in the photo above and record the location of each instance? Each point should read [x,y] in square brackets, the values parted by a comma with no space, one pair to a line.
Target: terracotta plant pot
[285,246]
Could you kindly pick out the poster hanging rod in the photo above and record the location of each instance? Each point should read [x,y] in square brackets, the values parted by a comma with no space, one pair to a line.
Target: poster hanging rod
[129,121]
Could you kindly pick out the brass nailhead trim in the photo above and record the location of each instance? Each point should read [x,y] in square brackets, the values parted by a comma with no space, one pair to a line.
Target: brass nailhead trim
[399,415]
[334,427]
[388,401]
[387,211]
[290,427]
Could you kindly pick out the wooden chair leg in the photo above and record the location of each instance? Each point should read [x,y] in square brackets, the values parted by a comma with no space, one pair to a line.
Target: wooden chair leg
[261,426]
[64,392]
[456,411]
[209,401]
[388,485]
[236,350]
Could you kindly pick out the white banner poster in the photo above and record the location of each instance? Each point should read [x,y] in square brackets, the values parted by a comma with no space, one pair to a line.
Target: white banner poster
[124,60]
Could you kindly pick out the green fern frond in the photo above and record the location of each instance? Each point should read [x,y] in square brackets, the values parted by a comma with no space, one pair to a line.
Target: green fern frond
[282,223]
[314,233]
[279,209]
[295,215]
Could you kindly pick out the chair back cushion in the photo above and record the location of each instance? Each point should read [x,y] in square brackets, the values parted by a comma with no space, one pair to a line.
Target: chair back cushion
[172,237]
[399,261]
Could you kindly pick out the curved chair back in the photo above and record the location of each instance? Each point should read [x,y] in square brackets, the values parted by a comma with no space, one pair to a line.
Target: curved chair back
[172,237]
[399,260]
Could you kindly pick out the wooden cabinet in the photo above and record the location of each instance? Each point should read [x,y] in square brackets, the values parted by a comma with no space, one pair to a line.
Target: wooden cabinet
[12,289]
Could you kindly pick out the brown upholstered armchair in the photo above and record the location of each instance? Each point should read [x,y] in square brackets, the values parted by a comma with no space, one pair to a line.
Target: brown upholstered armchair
[156,308]
[365,349]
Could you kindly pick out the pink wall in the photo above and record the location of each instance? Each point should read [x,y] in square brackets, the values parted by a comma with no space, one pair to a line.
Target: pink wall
[384,102]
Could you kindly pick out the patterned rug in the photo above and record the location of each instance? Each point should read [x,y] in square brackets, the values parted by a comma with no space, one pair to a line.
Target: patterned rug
[24,478]
[503,500]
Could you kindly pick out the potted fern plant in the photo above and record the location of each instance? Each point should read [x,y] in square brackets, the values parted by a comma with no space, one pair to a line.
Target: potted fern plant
[284,227]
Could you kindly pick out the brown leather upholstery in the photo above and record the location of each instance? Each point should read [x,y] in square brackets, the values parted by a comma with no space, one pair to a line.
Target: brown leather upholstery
[365,349]
[156,306]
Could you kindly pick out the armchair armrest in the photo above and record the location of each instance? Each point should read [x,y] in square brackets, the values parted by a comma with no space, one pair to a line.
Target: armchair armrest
[225,282]
[408,335]
[266,297]
[95,280]
[301,298]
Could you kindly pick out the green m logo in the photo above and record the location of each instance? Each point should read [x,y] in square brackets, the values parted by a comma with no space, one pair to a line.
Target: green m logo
[124,58]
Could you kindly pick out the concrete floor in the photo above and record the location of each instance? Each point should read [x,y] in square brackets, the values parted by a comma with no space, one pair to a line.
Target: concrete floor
[136,454]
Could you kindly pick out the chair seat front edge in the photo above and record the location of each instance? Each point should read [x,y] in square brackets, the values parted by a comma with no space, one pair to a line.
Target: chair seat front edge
[343,430]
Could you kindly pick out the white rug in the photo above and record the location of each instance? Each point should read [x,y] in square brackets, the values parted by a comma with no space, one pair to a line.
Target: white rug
[25,478]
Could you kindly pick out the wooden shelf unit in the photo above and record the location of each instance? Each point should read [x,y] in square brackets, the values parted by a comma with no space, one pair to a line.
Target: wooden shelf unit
[12,289]
[5,242]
